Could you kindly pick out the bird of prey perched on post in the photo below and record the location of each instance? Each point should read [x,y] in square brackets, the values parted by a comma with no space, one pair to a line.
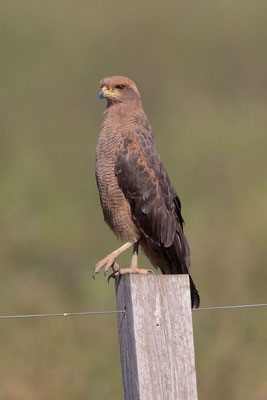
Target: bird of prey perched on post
[138,200]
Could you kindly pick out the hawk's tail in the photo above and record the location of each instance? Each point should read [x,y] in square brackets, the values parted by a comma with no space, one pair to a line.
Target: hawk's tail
[178,255]
[172,260]
[195,299]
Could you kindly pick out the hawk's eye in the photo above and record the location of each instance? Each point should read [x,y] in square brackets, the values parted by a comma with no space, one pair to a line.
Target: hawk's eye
[120,87]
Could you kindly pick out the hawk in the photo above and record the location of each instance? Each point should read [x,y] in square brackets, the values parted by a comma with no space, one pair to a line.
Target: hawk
[138,200]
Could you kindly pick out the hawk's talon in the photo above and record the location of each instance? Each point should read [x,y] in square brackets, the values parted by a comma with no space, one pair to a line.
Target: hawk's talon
[107,262]
[114,275]
[106,269]
[116,271]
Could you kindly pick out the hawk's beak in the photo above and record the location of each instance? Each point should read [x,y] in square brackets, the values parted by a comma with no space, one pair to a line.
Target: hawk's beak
[104,92]
[101,94]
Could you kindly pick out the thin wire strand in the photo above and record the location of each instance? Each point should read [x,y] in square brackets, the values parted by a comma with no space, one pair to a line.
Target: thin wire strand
[66,314]
[229,307]
[69,314]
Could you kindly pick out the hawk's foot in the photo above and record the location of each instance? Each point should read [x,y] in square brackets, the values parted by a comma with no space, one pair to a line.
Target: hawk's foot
[117,272]
[107,262]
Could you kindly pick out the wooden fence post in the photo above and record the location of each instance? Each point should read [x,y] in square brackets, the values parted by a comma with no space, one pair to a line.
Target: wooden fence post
[156,337]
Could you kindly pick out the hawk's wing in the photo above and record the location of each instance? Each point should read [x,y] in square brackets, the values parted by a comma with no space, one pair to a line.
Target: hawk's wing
[154,202]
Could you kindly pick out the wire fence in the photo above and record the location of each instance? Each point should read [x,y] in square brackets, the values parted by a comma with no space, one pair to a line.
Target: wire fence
[66,314]
[73,314]
[229,307]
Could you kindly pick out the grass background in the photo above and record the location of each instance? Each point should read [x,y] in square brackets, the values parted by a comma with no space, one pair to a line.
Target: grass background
[201,68]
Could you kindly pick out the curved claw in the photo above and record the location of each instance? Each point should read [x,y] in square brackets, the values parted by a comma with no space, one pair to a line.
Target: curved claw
[105,272]
[151,271]
[114,275]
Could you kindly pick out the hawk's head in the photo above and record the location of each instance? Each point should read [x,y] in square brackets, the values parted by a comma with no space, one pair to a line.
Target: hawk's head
[118,89]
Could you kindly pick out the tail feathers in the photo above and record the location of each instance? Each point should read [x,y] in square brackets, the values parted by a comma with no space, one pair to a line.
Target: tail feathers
[195,299]
[177,261]
[178,255]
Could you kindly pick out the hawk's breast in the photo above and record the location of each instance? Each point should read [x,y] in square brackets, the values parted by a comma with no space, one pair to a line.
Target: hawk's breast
[116,208]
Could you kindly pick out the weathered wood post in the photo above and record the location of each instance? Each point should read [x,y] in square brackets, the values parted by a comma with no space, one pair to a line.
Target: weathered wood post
[156,337]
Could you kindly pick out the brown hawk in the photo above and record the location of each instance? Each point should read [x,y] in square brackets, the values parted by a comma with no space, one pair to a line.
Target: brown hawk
[138,200]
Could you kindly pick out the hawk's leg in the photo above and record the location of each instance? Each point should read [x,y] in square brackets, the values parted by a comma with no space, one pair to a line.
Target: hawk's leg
[134,261]
[109,260]
[133,267]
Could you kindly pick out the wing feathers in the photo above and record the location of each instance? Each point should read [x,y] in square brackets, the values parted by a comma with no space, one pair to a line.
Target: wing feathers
[145,183]
[154,203]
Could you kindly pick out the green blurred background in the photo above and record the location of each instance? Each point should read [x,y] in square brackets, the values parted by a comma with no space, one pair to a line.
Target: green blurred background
[201,67]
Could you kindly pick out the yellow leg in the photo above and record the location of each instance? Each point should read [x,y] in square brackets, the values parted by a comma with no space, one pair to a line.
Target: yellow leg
[109,260]
[133,269]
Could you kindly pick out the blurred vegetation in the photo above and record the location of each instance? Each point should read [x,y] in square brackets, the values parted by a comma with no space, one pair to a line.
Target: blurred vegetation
[201,68]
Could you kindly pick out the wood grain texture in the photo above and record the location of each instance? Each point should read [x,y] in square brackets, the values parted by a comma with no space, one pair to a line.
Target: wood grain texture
[156,337]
